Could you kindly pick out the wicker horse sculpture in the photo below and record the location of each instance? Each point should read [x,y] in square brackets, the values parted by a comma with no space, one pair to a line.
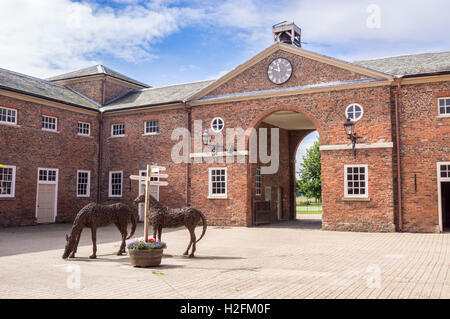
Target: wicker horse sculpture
[161,217]
[94,216]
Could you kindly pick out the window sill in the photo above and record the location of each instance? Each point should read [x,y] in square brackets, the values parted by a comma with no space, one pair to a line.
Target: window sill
[7,198]
[356,199]
[150,134]
[443,116]
[118,136]
[217,197]
[51,131]
[10,124]
[84,135]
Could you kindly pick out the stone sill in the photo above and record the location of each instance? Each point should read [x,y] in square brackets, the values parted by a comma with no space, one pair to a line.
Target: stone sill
[356,199]
[118,136]
[50,131]
[150,134]
[212,197]
[7,198]
[10,124]
[439,117]
[84,135]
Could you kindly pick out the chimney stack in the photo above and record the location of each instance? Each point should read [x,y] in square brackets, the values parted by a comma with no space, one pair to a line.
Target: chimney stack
[287,32]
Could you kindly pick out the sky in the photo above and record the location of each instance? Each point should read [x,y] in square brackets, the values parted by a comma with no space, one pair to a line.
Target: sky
[164,42]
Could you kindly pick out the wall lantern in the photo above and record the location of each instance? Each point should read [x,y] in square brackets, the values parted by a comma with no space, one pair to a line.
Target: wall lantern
[349,126]
[207,141]
[206,137]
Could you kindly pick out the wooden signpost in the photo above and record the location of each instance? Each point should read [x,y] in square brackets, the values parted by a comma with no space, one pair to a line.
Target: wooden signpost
[148,184]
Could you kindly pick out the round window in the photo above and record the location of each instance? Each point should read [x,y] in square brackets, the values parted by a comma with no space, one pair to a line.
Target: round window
[354,112]
[217,124]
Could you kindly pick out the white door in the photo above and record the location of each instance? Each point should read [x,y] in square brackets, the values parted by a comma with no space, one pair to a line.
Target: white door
[47,198]
[154,191]
[443,175]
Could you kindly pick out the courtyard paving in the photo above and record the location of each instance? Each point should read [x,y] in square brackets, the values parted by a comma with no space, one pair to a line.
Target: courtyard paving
[286,260]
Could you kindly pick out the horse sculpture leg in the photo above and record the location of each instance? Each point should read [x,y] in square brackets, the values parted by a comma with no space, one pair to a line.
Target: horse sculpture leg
[159,233]
[123,232]
[94,243]
[74,249]
[193,241]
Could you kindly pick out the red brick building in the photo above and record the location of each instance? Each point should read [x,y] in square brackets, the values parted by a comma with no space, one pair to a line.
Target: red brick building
[77,138]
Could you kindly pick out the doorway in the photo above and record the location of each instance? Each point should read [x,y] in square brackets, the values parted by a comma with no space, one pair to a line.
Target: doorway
[443,174]
[47,195]
[445,202]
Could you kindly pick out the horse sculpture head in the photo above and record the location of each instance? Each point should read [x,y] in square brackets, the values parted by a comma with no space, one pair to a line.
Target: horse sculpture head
[141,199]
[69,246]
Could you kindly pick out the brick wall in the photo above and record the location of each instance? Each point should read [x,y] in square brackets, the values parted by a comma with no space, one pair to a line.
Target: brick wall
[134,151]
[28,147]
[304,72]
[425,140]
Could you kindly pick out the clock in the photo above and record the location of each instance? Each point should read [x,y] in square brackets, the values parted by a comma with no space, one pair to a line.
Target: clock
[279,71]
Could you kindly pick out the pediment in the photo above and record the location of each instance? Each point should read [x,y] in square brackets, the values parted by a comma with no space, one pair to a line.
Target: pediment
[308,69]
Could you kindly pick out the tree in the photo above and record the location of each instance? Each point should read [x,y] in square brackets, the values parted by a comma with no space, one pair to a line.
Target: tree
[310,173]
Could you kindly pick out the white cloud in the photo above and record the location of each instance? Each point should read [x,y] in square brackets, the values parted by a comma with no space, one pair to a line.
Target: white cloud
[43,38]
[406,26]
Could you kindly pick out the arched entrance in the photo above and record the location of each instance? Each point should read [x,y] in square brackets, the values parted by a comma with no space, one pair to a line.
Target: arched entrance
[308,199]
[273,196]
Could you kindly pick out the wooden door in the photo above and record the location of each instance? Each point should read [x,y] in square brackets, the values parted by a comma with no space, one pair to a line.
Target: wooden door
[46,198]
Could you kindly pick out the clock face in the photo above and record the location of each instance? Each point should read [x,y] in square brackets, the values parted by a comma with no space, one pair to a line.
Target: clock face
[279,71]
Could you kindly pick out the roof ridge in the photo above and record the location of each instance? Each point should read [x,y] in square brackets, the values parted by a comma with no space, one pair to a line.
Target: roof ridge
[35,78]
[179,84]
[402,55]
[67,73]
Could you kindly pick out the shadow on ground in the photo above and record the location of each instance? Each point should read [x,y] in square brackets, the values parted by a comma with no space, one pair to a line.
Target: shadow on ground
[312,224]
[30,239]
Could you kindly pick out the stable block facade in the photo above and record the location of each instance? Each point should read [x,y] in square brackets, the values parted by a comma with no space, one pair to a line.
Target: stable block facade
[318,93]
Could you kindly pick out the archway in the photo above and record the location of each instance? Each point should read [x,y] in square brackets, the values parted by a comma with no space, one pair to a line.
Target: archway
[308,199]
[273,196]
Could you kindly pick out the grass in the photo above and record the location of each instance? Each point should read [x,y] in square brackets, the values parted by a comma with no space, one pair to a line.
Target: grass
[308,206]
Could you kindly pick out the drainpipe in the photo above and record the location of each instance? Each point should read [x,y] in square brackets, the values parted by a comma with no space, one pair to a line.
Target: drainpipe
[399,176]
[188,165]
[100,145]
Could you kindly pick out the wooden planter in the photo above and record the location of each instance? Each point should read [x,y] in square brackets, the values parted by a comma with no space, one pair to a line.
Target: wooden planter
[145,258]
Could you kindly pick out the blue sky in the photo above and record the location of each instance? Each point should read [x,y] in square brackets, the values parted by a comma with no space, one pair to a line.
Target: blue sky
[163,42]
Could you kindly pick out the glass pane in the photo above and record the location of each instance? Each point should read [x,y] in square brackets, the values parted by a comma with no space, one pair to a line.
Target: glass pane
[441,102]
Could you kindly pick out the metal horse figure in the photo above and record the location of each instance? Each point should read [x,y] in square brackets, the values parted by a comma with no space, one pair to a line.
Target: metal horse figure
[94,216]
[161,217]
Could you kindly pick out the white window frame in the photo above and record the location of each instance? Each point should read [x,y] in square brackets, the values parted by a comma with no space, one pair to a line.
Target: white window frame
[89,129]
[439,181]
[258,184]
[366,180]
[357,119]
[210,188]
[151,133]
[13,183]
[110,194]
[212,124]
[439,107]
[48,129]
[117,135]
[15,116]
[88,186]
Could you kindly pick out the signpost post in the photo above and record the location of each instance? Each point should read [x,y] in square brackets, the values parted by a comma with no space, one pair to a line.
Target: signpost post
[148,184]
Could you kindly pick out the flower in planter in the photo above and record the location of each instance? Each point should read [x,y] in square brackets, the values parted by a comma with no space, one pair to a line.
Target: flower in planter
[141,244]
